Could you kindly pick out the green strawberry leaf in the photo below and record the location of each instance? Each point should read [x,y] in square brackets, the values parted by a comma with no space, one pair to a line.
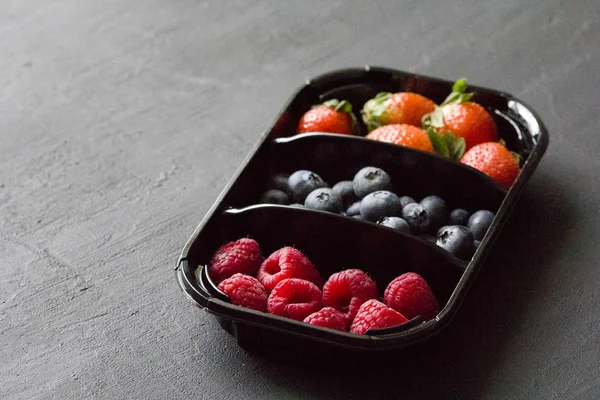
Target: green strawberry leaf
[517,157]
[458,94]
[502,142]
[434,119]
[438,142]
[374,109]
[456,146]
[446,145]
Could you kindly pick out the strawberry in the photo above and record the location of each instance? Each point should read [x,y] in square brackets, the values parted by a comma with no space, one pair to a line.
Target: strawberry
[403,135]
[494,160]
[397,108]
[333,116]
[464,118]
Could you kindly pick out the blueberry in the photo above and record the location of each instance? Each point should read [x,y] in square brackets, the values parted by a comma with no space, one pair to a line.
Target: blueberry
[417,218]
[358,216]
[476,244]
[369,180]
[354,209]
[323,199]
[279,182]
[297,205]
[394,223]
[345,189]
[459,217]
[436,207]
[302,182]
[404,200]
[479,223]
[274,196]
[456,239]
[380,204]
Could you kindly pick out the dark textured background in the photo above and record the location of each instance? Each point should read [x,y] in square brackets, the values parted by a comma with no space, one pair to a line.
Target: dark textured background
[120,122]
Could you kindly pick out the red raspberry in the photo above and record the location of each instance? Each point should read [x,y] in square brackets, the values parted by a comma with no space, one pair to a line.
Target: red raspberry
[243,256]
[347,290]
[328,318]
[411,296]
[245,291]
[374,314]
[294,298]
[287,262]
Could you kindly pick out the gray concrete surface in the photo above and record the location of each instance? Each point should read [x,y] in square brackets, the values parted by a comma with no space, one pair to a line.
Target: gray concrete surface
[121,121]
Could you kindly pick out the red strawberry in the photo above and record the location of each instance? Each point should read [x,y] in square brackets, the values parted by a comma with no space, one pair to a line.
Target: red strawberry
[245,291]
[328,317]
[347,290]
[243,256]
[411,296]
[333,116]
[402,135]
[287,262]
[464,118]
[397,108]
[494,160]
[294,298]
[374,314]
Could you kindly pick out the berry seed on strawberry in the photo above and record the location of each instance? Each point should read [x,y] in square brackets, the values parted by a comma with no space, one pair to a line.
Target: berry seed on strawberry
[347,290]
[294,298]
[410,295]
[287,262]
[243,256]
[373,314]
[328,317]
[245,291]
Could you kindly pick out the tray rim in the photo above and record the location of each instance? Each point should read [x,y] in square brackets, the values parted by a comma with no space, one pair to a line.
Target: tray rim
[473,266]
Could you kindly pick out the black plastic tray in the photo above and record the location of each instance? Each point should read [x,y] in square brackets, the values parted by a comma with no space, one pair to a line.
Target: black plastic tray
[335,242]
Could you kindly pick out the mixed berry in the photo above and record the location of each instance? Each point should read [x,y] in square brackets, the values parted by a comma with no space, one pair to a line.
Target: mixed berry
[289,285]
[369,197]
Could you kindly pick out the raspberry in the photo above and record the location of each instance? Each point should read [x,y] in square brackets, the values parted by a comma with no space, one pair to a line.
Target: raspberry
[374,314]
[243,256]
[294,298]
[411,296]
[328,318]
[347,290]
[245,291]
[287,262]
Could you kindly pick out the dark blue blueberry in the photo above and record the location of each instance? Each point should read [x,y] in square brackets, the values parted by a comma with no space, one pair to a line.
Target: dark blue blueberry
[404,200]
[459,217]
[358,216]
[456,239]
[436,208]
[380,204]
[479,223]
[476,244]
[297,205]
[394,223]
[302,182]
[274,196]
[323,199]
[369,180]
[354,209]
[417,217]
[345,189]
[279,182]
